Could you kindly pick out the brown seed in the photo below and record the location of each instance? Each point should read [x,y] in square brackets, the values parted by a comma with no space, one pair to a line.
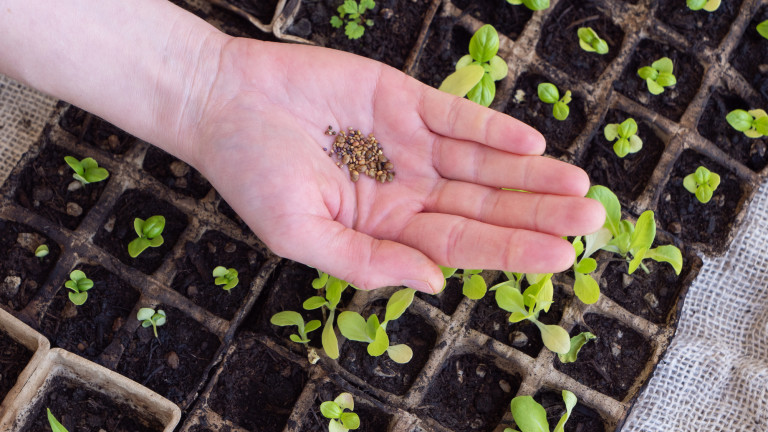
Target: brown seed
[390,176]
[388,166]
[345,159]
[354,175]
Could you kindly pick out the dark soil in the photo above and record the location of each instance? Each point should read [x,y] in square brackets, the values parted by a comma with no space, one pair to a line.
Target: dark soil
[95,131]
[395,30]
[151,361]
[582,419]
[446,44]
[258,388]
[713,126]
[371,418]
[699,27]
[175,174]
[534,112]
[382,372]
[13,359]
[83,409]
[559,43]
[130,205]
[627,177]
[195,280]
[21,272]
[682,214]
[88,329]
[611,363]
[467,394]
[43,188]
[508,20]
[673,102]
[232,23]
[447,300]
[264,10]
[749,57]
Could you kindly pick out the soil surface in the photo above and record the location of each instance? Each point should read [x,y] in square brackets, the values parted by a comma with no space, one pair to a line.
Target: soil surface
[21,272]
[559,43]
[175,174]
[88,128]
[447,300]
[47,188]
[611,363]
[258,388]
[582,419]
[83,409]
[382,372]
[264,10]
[371,418]
[508,20]
[470,393]
[673,102]
[698,27]
[13,359]
[446,43]
[174,363]
[195,280]
[88,329]
[391,38]
[749,57]
[627,177]
[232,23]
[118,231]
[682,214]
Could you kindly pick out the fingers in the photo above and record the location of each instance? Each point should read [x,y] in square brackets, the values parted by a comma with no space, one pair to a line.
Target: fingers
[465,243]
[550,214]
[466,161]
[459,118]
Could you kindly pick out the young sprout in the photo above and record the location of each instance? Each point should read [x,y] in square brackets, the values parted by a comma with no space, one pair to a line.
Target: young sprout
[762,28]
[333,287]
[534,5]
[530,416]
[658,75]
[149,317]
[55,425]
[577,342]
[589,41]
[754,123]
[628,141]
[549,94]
[335,410]
[86,170]
[473,285]
[352,12]
[702,183]
[289,318]
[79,284]
[225,276]
[150,234]
[42,251]
[476,72]
[707,5]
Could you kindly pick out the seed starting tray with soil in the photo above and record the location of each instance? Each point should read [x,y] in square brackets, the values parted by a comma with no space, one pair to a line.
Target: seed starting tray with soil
[228,369]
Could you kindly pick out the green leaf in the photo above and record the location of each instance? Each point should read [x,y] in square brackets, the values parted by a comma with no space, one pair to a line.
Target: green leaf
[475,287]
[668,254]
[96,175]
[464,61]
[635,144]
[400,353]
[739,120]
[159,318]
[586,46]
[637,259]
[761,125]
[333,291]
[350,420]
[696,4]
[611,131]
[352,326]
[398,303]
[762,28]
[653,87]
[380,343]
[484,44]
[314,302]
[55,425]
[666,79]
[282,319]
[335,426]
[586,288]
[712,5]
[647,72]
[627,128]
[78,298]
[570,402]
[42,251]
[704,193]
[366,5]
[297,339]
[510,299]
[463,80]
[219,271]
[585,266]
[555,338]
[312,326]
[587,34]
[645,232]
[138,226]
[621,147]
[354,30]
[484,92]
[536,5]
[349,7]
[601,47]
[612,207]
[499,68]
[560,111]
[153,226]
[75,164]
[663,64]
[156,241]
[89,163]
[596,241]
[371,326]
[548,93]
[144,314]
[577,342]
[336,22]
[447,271]
[137,246]
[330,409]
[320,281]
[345,401]
[329,340]
[689,183]
[529,415]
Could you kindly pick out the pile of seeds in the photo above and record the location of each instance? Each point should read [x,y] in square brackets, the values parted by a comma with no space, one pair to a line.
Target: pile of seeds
[361,154]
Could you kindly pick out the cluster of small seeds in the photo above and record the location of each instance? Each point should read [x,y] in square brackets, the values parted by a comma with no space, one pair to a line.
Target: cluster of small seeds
[361,154]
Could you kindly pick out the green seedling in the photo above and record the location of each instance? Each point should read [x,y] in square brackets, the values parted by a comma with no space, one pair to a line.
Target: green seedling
[625,135]
[149,317]
[589,41]
[754,123]
[762,28]
[150,234]
[79,284]
[473,285]
[336,411]
[658,75]
[585,286]
[86,170]
[702,183]
[707,5]
[333,288]
[55,425]
[42,251]
[534,5]
[289,318]
[577,342]
[351,12]
[354,327]
[477,71]
[530,416]
[225,276]
[549,94]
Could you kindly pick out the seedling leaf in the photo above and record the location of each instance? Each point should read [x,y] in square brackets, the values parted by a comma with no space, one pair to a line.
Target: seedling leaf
[398,303]
[484,92]
[330,409]
[475,287]
[577,342]
[762,28]
[548,93]
[499,68]
[353,326]
[529,415]
[314,302]
[612,207]
[586,288]
[282,319]
[379,344]
[484,44]
[463,80]
[55,425]
[668,254]
[400,353]
[329,340]
[570,402]
[555,338]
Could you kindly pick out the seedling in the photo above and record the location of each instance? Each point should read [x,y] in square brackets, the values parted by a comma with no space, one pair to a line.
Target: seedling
[577,342]
[627,142]
[55,425]
[549,94]
[658,75]
[289,318]
[476,72]
[589,41]
[754,123]
[335,410]
[354,327]
[351,12]
[534,5]
[150,234]
[762,28]
[333,288]
[707,5]
[473,285]
[149,317]
[79,284]
[702,183]
[42,251]
[530,416]
[86,170]
[585,286]
[225,276]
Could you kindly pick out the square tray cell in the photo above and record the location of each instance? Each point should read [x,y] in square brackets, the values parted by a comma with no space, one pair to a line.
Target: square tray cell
[749,56]
[673,102]
[46,187]
[699,27]
[371,418]
[446,43]
[508,19]
[94,131]
[559,42]
[175,173]
[14,357]
[118,231]
[582,419]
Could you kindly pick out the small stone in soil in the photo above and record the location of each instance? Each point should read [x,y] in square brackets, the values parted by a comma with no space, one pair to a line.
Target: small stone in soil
[518,339]
[113,142]
[179,168]
[117,324]
[230,247]
[172,359]
[362,155]
[73,186]
[74,209]
[505,386]
[81,346]
[69,311]
[10,286]
[30,241]
[110,224]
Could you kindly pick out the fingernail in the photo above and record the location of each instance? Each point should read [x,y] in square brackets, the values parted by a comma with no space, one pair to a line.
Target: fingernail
[419,285]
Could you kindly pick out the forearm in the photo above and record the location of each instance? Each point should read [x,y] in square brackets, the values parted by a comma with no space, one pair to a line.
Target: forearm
[144,65]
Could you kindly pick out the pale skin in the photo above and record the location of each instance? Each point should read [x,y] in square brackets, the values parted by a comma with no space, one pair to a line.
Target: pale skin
[251,116]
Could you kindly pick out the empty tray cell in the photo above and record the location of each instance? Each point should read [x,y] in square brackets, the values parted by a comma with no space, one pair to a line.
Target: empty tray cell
[175,174]
[14,357]
[94,131]
[372,419]
[699,27]
[508,19]
[750,57]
